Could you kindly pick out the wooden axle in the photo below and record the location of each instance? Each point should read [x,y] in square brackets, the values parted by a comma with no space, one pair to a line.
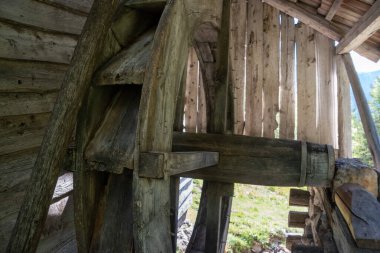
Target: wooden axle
[299,197]
[260,161]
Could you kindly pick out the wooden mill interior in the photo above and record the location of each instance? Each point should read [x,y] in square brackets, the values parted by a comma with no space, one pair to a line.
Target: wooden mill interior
[105,104]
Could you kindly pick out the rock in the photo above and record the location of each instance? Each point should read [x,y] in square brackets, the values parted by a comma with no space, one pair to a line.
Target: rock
[354,171]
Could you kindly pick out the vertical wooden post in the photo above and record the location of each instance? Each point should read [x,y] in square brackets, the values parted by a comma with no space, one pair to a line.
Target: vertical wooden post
[364,111]
[254,79]
[151,207]
[76,83]
[191,92]
[287,82]
[344,110]
[271,69]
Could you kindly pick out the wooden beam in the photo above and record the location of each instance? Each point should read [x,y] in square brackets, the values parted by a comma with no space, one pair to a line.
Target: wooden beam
[333,9]
[368,24]
[174,163]
[297,219]
[29,225]
[299,197]
[364,111]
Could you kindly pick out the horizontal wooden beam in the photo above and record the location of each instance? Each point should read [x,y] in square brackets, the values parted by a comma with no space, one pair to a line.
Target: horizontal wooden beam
[260,161]
[157,164]
[368,24]
[299,197]
[297,219]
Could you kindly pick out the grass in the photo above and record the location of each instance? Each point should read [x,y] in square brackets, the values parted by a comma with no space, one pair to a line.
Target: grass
[259,215]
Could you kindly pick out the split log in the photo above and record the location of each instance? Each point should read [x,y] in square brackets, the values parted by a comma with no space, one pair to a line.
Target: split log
[299,197]
[262,161]
[33,212]
[360,211]
[297,219]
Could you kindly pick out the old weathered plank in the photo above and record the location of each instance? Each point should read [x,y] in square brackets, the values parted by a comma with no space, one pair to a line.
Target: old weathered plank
[271,38]
[238,21]
[116,222]
[360,211]
[287,82]
[30,76]
[113,145]
[367,25]
[299,197]
[254,79]
[344,110]
[263,161]
[306,85]
[191,93]
[42,16]
[333,9]
[82,6]
[202,114]
[364,111]
[174,163]
[127,67]
[23,43]
[297,219]
[326,88]
[76,84]
[26,103]
[151,197]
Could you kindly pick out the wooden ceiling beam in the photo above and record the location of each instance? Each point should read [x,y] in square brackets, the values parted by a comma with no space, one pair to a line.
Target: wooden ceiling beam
[368,24]
[333,9]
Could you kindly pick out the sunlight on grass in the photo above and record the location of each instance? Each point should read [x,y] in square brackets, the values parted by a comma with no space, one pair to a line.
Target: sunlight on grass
[259,215]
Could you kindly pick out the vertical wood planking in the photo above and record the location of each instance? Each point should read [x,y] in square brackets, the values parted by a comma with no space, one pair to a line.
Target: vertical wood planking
[271,70]
[306,85]
[237,61]
[325,67]
[287,82]
[191,92]
[344,110]
[254,79]
[202,116]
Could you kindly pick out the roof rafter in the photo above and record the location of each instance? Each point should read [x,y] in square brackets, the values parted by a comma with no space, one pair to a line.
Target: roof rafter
[368,24]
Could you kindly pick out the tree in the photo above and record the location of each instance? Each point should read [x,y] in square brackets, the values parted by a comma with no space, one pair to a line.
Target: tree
[359,141]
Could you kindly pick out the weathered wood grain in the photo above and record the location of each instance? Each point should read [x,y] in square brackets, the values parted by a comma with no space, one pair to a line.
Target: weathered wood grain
[326,88]
[202,106]
[344,110]
[299,197]
[364,111]
[333,9]
[82,6]
[26,103]
[42,16]
[254,78]
[151,197]
[287,82]
[191,93]
[237,36]
[271,69]
[360,211]
[253,160]
[30,76]
[306,85]
[29,225]
[113,145]
[297,219]
[23,43]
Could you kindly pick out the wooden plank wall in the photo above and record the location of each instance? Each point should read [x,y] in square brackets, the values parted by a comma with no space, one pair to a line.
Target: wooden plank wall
[37,41]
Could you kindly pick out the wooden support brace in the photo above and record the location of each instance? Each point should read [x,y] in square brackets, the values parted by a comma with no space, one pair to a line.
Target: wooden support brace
[174,163]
